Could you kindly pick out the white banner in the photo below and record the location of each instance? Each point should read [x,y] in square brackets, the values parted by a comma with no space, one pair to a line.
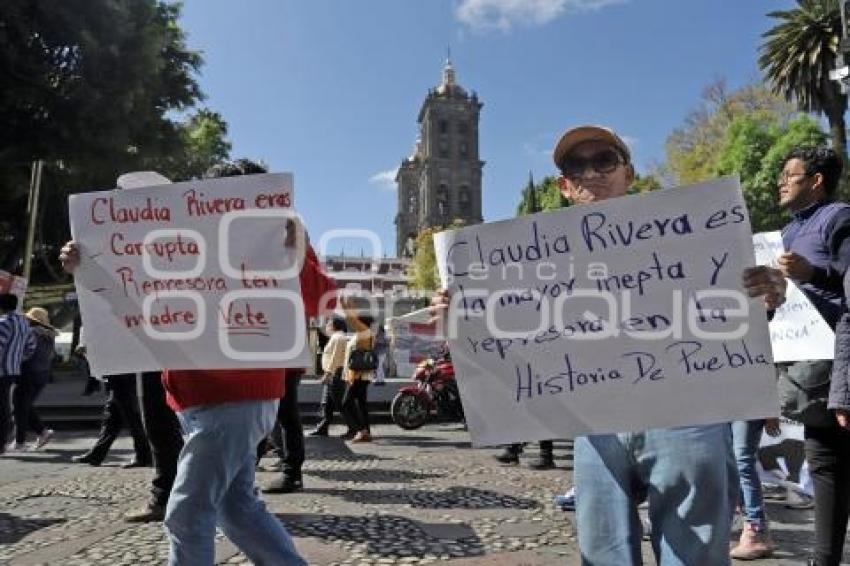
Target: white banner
[797,331]
[621,315]
[190,275]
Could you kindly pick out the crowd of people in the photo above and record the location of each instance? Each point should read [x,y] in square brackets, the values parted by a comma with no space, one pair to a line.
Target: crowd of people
[205,430]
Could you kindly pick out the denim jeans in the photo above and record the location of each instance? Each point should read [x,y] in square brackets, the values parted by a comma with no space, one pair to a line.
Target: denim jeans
[684,472]
[215,483]
[745,443]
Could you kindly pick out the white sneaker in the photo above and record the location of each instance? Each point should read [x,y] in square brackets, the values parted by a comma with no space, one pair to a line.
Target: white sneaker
[43,438]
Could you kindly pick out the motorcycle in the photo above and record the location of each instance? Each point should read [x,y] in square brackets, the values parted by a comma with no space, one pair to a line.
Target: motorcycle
[435,389]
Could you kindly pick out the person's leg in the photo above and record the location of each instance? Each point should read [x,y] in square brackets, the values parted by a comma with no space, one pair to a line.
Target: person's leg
[326,410]
[110,426]
[124,388]
[755,540]
[350,408]
[745,442]
[686,470]
[203,476]
[362,400]
[5,411]
[829,471]
[609,529]
[243,517]
[293,433]
[164,436]
[510,454]
[338,389]
[20,408]
[38,384]
[546,460]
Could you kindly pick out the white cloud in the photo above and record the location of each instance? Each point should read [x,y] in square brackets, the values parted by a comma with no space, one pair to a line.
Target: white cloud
[385,179]
[504,14]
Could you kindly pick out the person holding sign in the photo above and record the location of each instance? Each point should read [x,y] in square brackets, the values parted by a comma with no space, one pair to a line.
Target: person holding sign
[816,258]
[683,472]
[224,414]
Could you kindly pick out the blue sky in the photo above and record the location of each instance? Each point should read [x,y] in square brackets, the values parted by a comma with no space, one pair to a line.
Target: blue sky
[330,89]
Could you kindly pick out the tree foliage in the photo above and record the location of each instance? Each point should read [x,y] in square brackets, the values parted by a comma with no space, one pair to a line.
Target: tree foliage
[423,267]
[692,149]
[755,148]
[797,56]
[92,88]
[546,196]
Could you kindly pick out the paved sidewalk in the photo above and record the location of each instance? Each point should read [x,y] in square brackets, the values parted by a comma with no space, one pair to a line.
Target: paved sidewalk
[408,498]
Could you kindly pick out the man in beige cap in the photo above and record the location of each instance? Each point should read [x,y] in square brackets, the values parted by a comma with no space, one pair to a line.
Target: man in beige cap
[684,471]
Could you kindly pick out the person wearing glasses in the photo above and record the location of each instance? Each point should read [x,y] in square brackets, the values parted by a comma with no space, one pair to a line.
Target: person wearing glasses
[684,472]
[816,259]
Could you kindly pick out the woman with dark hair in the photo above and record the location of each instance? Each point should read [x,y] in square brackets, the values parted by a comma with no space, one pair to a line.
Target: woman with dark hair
[354,401]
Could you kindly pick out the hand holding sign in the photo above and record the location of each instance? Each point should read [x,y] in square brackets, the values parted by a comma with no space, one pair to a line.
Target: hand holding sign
[794,266]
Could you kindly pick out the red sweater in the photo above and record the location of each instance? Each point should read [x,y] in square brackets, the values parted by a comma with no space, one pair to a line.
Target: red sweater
[188,388]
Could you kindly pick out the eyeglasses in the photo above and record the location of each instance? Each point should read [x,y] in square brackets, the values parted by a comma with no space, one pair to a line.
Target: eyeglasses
[603,162]
[784,179]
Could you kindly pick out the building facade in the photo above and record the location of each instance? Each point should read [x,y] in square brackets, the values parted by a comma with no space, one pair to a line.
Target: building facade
[440,183]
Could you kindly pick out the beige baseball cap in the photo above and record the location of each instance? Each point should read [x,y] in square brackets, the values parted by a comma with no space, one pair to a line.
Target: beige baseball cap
[580,134]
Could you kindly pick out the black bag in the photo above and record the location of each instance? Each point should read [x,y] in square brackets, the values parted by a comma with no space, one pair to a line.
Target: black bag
[363,360]
[804,391]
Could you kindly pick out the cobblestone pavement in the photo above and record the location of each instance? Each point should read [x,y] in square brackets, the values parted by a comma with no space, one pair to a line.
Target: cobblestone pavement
[408,498]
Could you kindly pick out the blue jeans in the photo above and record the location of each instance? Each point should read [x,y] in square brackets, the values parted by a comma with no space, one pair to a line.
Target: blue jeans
[745,443]
[215,484]
[684,472]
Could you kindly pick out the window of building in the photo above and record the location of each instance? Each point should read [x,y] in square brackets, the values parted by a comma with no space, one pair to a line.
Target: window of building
[444,126]
[465,201]
[444,148]
[463,149]
[443,209]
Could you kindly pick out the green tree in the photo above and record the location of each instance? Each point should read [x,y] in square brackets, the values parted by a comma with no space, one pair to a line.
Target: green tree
[797,56]
[692,149]
[755,149]
[545,195]
[204,144]
[90,87]
[644,184]
[423,266]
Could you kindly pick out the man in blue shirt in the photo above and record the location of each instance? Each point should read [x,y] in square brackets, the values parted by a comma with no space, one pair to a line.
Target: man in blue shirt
[817,255]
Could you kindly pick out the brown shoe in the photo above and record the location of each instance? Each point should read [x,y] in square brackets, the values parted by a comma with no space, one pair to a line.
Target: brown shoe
[147,514]
[362,436]
[754,544]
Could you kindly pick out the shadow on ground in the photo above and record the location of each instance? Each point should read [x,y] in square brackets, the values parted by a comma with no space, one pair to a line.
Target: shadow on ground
[374,475]
[14,528]
[390,536]
[451,498]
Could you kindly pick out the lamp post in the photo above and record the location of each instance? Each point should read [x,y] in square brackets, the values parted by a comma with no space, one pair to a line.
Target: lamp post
[32,214]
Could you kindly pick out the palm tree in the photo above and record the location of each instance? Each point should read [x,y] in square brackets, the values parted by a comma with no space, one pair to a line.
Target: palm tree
[797,56]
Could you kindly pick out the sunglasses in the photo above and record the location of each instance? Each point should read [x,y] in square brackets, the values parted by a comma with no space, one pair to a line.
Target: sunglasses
[603,162]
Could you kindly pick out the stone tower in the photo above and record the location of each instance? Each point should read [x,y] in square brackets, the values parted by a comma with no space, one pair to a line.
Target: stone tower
[441,180]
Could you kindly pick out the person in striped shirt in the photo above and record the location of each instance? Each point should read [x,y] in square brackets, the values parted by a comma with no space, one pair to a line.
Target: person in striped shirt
[17,344]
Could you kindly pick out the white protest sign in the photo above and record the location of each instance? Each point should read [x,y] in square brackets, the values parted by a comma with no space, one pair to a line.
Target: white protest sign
[797,331]
[190,275]
[622,315]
